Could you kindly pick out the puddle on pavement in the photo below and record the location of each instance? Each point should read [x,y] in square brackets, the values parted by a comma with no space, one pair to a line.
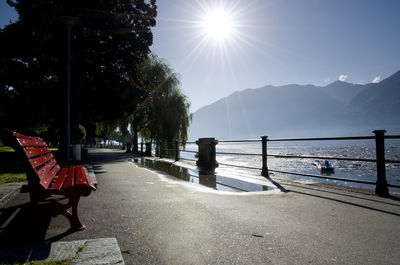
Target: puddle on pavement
[212,181]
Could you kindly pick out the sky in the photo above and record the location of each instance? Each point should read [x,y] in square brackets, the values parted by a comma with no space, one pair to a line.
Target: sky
[221,46]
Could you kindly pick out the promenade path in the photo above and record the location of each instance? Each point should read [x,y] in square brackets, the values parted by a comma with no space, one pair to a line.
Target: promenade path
[159,222]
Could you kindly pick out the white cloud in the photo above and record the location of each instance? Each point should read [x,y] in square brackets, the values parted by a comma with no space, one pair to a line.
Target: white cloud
[342,78]
[376,79]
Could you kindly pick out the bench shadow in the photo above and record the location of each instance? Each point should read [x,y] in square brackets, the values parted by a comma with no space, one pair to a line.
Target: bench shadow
[23,234]
[22,254]
[97,168]
[21,225]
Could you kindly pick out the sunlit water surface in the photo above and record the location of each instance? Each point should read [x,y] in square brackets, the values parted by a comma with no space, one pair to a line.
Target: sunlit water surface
[207,179]
[357,170]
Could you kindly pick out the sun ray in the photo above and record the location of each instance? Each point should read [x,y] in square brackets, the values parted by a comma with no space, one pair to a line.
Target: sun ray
[219,33]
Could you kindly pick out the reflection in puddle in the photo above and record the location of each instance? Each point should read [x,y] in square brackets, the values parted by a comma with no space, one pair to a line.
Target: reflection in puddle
[212,181]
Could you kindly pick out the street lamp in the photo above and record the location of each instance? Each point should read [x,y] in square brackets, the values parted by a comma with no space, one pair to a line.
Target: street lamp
[69,22]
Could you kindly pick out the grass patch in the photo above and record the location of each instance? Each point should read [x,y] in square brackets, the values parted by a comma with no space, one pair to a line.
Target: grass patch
[12,177]
[6,149]
[11,167]
[81,247]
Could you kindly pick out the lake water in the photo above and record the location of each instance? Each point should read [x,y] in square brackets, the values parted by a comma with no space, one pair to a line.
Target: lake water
[362,149]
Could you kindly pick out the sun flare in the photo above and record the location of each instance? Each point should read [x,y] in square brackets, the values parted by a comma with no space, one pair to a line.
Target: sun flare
[218,24]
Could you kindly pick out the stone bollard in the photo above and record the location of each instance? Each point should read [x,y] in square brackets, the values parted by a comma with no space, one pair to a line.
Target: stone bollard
[207,158]
[76,152]
[208,180]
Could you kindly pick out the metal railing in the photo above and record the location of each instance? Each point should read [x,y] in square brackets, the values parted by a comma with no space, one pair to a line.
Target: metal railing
[381,183]
[380,161]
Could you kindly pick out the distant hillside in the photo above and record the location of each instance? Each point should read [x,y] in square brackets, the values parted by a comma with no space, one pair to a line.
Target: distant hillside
[339,108]
[380,103]
[343,91]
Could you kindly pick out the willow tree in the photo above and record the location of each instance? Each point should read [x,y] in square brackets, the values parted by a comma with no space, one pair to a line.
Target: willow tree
[164,114]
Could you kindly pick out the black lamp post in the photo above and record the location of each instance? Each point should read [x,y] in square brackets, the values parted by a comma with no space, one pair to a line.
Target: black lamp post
[69,22]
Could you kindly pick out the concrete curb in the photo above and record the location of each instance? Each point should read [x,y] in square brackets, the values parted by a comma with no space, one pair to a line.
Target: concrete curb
[90,251]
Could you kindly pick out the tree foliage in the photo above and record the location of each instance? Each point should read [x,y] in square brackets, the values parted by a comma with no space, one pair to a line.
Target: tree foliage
[112,39]
[164,113]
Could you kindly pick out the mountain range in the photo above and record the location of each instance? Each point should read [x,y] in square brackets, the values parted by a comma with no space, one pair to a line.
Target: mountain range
[338,109]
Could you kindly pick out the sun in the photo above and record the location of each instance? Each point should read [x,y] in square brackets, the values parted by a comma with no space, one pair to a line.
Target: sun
[218,24]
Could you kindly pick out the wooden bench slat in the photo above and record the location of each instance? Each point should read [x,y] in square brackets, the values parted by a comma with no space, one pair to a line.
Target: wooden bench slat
[60,180]
[18,135]
[36,162]
[80,178]
[25,142]
[89,180]
[46,181]
[31,152]
[69,181]
[83,179]
[43,171]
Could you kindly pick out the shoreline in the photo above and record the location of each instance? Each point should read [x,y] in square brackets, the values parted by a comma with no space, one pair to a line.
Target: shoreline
[280,178]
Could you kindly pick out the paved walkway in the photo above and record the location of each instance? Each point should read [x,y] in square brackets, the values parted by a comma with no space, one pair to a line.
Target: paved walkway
[159,222]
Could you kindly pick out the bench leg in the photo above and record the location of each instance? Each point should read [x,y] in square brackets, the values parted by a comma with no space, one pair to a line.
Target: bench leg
[73,218]
[59,208]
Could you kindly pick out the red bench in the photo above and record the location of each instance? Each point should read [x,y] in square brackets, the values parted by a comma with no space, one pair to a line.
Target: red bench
[46,178]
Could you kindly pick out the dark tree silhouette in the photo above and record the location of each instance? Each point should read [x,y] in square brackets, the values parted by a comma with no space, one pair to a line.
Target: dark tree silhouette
[113,37]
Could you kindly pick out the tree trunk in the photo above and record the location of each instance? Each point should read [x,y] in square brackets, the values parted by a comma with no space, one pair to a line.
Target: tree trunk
[135,142]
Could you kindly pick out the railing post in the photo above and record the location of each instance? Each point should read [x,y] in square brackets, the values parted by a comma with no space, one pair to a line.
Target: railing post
[381,183]
[176,150]
[141,147]
[207,155]
[264,170]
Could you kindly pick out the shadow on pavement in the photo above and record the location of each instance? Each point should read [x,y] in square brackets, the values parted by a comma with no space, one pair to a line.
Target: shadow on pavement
[22,234]
[21,225]
[360,203]
[21,254]
[105,156]
[23,230]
